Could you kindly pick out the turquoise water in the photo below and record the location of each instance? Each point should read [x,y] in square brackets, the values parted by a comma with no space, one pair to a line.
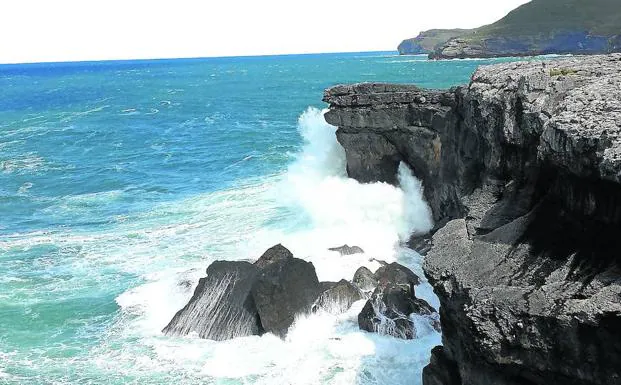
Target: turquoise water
[120,180]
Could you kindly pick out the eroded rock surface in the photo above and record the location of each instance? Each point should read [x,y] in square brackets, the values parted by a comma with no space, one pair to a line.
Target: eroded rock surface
[338,298]
[392,302]
[522,171]
[221,307]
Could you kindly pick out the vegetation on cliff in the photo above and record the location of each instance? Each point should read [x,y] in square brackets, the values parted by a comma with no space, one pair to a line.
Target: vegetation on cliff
[538,27]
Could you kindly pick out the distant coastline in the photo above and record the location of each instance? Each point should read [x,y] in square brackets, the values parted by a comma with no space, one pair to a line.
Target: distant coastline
[540,27]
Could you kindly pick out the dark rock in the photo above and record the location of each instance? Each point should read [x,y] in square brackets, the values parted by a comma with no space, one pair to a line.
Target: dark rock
[240,299]
[347,250]
[364,279]
[380,261]
[221,307]
[323,286]
[283,289]
[388,311]
[421,243]
[397,274]
[274,254]
[522,171]
[441,370]
[338,298]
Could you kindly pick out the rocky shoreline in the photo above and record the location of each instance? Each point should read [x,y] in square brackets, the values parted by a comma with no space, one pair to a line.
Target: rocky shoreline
[522,171]
[239,298]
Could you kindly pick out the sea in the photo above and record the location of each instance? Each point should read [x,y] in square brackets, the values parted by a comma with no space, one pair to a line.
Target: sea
[121,181]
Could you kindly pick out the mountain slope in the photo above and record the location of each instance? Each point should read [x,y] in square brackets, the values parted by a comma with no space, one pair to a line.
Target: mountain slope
[542,27]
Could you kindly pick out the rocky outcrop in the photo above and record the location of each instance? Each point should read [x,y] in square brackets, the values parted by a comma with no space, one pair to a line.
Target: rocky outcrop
[338,298]
[221,307]
[427,41]
[282,290]
[522,171]
[561,42]
[392,302]
[239,299]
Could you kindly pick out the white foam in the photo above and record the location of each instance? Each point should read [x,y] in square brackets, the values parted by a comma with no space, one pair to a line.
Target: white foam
[309,208]
[329,210]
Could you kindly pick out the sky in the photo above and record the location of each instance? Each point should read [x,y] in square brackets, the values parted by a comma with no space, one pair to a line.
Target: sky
[70,30]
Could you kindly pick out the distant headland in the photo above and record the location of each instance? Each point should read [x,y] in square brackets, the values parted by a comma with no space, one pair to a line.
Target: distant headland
[540,27]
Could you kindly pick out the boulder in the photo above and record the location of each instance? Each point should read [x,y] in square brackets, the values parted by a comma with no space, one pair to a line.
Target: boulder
[273,254]
[283,289]
[347,250]
[364,279]
[240,298]
[388,311]
[397,274]
[221,307]
[338,298]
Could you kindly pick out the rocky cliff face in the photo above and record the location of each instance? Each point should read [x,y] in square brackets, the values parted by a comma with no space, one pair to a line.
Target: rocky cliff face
[522,170]
[427,41]
[560,42]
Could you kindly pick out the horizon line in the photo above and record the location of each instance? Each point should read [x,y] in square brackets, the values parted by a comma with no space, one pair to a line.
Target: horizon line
[52,62]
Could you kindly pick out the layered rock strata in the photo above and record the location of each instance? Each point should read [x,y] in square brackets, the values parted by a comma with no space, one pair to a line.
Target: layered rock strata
[522,171]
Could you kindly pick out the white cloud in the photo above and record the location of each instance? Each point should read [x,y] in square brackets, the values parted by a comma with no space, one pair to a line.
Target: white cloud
[59,30]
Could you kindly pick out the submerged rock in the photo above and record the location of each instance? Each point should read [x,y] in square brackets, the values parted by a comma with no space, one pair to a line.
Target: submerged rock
[347,250]
[221,307]
[338,298]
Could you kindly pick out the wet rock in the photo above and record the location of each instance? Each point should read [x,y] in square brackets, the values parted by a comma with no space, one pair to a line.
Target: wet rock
[522,171]
[239,298]
[388,311]
[397,274]
[347,250]
[221,307]
[338,298]
[364,279]
[274,254]
[420,243]
[283,289]
[185,284]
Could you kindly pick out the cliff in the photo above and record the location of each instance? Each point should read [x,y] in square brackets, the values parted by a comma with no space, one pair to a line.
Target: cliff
[427,41]
[541,27]
[522,170]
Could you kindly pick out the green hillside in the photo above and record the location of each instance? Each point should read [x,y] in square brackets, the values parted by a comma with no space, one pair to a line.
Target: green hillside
[599,17]
[537,27]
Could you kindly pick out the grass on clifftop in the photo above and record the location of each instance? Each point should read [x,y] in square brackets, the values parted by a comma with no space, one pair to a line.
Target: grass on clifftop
[539,17]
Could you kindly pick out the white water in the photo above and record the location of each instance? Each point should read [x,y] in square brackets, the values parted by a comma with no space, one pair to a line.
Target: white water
[310,208]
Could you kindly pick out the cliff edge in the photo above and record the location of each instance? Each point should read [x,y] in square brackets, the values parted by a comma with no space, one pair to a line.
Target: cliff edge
[522,170]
